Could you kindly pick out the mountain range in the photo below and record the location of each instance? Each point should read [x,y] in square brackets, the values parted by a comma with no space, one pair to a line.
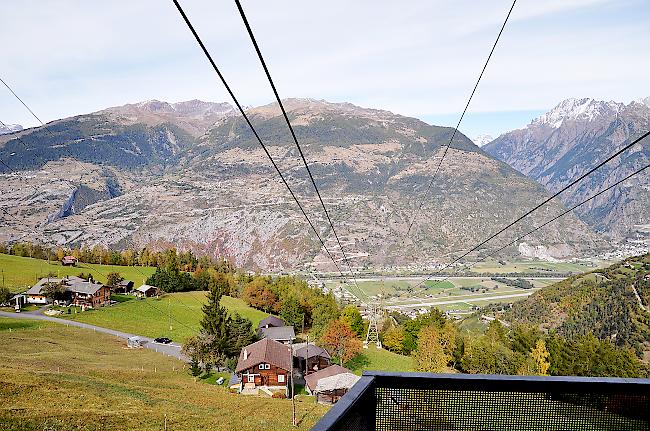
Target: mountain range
[9,128]
[567,141]
[192,175]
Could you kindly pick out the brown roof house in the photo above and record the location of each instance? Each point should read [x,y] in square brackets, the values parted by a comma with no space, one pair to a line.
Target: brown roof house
[310,358]
[330,384]
[264,366]
[77,292]
[269,322]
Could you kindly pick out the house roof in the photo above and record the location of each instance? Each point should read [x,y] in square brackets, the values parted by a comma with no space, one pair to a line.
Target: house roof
[125,283]
[310,351]
[271,321]
[338,381]
[85,287]
[278,333]
[145,287]
[69,258]
[36,289]
[266,350]
[311,380]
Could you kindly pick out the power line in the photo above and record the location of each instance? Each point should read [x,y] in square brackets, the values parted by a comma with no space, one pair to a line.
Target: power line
[573,208]
[21,101]
[583,176]
[293,134]
[259,140]
[426,192]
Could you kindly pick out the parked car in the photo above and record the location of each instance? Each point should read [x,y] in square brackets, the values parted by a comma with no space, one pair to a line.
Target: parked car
[162,340]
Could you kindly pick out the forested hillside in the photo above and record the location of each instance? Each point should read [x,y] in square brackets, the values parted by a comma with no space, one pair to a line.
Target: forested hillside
[603,303]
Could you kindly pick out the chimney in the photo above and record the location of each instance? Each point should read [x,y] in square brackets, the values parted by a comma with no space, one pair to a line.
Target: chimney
[245,354]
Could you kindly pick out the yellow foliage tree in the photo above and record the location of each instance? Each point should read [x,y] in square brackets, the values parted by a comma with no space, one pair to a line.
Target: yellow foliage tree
[540,355]
[435,347]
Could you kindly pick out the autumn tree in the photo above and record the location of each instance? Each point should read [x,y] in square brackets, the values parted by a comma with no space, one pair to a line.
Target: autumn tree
[352,316]
[394,340]
[340,341]
[113,279]
[435,347]
[540,357]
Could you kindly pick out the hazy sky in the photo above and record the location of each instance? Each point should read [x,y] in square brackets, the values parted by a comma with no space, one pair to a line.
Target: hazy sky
[413,58]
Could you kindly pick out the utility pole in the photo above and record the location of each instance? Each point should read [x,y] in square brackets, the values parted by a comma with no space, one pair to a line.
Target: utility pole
[169,308]
[293,395]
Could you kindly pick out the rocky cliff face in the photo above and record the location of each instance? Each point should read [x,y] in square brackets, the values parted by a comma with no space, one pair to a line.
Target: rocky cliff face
[576,135]
[218,194]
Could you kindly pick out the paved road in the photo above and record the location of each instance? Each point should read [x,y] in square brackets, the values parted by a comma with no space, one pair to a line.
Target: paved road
[173,350]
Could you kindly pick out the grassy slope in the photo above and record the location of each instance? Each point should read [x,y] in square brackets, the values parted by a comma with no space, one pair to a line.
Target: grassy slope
[69,378]
[380,360]
[150,317]
[22,272]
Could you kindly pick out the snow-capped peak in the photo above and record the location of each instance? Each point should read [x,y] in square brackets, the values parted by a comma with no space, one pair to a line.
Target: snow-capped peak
[586,109]
[482,139]
[10,128]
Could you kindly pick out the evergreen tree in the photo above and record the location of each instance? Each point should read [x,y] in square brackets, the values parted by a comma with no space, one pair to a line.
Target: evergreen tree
[291,312]
[240,334]
[216,323]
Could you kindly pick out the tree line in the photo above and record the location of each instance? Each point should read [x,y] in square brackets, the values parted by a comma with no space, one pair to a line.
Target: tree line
[183,261]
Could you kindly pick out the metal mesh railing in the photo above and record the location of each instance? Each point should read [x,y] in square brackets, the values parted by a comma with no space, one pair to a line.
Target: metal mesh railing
[418,401]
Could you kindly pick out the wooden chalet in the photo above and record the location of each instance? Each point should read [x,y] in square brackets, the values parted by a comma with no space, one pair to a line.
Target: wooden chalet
[77,292]
[88,294]
[330,384]
[147,291]
[124,286]
[309,358]
[265,364]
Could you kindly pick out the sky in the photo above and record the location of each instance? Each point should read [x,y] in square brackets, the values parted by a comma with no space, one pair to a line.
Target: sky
[416,58]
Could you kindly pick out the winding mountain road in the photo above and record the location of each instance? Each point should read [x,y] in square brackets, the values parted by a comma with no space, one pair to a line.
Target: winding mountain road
[173,350]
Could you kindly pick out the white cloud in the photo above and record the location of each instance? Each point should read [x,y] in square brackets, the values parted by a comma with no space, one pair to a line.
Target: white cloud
[415,58]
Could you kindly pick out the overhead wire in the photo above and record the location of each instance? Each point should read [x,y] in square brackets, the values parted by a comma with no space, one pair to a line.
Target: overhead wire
[444,154]
[246,118]
[293,135]
[573,208]
[541,204]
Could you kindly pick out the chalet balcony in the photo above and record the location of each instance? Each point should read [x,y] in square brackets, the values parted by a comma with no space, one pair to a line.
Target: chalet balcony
[421,401]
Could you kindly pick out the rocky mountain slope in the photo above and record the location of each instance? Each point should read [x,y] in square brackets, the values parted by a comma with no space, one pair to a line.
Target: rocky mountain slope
[139,176]
[567,141]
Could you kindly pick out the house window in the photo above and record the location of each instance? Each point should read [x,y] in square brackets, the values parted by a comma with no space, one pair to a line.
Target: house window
[280,378]
[265,366]
[251,378]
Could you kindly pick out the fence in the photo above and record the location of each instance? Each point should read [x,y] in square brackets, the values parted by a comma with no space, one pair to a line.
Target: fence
[422,401]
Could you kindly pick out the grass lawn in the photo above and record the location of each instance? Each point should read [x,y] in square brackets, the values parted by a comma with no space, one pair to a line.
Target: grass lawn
[60,378]
[376,359]
[150,317]
[20,273]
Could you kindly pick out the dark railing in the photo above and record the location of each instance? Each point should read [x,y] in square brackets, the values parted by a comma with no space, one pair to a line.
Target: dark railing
[423,401]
